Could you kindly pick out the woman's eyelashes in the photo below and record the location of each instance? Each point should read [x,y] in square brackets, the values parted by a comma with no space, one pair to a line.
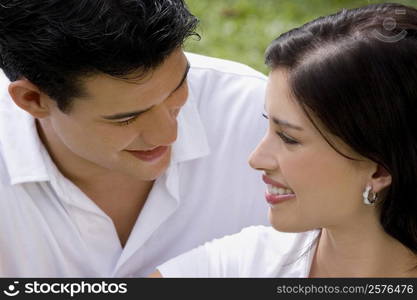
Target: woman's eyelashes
[286,139]
[283,136]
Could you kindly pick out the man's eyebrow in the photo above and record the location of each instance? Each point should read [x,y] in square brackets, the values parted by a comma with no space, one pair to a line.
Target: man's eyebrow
[283,123]
[184,77]
[137,113]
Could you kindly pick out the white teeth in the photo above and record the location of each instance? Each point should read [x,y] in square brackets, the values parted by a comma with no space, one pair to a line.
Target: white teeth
[278,191]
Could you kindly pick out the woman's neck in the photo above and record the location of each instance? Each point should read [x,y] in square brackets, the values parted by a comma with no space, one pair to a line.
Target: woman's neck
[361,252]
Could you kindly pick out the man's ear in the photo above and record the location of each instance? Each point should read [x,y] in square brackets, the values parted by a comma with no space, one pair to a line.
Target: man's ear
[28,97]
[380,179]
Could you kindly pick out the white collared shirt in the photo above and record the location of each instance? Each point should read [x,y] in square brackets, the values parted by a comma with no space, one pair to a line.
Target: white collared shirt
[256,251]
[50,228]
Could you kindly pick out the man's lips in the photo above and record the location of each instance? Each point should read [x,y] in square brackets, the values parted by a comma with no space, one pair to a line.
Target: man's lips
[150,155]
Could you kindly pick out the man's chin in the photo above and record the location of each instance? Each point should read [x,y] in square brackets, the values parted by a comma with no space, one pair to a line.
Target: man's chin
[153,172]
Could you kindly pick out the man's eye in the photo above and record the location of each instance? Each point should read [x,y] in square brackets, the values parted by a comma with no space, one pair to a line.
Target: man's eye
[126,122]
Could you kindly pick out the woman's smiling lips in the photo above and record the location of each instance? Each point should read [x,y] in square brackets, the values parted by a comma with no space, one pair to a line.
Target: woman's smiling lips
[150,155]
[276,192]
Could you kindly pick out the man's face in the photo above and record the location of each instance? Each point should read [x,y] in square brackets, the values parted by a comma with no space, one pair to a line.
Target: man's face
[116,125]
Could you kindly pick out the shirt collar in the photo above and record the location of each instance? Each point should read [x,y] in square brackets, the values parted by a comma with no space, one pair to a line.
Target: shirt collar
[298,259]
[192,141]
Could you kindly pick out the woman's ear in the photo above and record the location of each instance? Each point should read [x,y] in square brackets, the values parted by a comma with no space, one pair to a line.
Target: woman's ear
[380,179]
[28,97]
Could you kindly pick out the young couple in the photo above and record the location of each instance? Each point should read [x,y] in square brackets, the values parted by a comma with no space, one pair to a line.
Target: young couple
[118,152]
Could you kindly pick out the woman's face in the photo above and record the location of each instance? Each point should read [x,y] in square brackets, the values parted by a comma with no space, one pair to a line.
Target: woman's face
[320,187]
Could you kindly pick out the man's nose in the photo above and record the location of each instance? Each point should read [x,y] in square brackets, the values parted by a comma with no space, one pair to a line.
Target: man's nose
[162,129]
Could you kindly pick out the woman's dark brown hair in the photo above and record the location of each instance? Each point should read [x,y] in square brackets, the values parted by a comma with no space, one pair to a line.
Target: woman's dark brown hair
[356,72]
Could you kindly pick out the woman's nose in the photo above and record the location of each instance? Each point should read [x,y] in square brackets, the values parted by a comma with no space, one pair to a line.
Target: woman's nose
[263,156]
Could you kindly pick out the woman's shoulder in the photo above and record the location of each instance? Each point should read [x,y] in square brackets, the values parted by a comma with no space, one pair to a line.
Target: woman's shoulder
[262,251]
[270,242]
[255,251]
[267,236]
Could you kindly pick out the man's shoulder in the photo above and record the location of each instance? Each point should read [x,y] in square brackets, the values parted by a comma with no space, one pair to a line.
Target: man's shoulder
[4,174]
[222,66]
[215,81]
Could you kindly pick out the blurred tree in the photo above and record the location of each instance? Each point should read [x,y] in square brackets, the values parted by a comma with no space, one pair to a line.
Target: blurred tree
[241,30]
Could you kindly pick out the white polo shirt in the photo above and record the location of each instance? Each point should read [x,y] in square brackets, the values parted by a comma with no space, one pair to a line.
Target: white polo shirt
[256,251]
[50,228]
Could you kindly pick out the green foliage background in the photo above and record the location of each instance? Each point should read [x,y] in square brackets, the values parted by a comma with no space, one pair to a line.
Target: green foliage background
[241,30]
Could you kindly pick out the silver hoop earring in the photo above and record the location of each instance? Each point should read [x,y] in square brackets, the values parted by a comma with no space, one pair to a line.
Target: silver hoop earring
[367,198]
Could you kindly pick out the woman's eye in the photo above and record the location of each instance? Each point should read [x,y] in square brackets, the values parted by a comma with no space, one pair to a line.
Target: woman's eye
[286,139]
[126,122]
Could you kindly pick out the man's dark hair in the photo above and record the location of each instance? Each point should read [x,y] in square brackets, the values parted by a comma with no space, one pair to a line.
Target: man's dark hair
[55,43]
[356,72]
